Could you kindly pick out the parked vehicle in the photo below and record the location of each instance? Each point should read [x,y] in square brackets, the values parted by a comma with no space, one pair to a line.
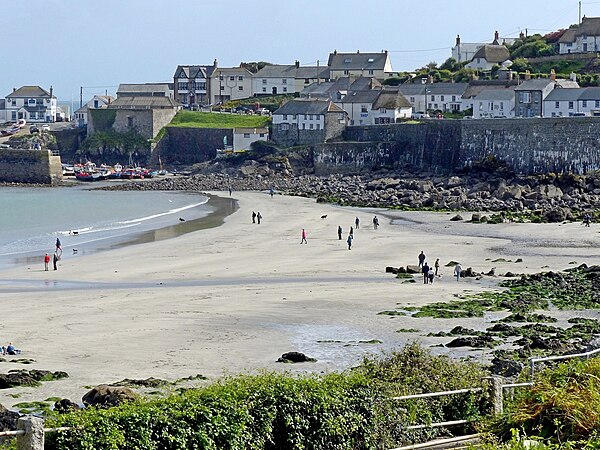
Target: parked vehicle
[45,127]
[33,129]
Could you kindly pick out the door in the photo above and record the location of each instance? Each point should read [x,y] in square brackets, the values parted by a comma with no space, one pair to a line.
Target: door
[274,90]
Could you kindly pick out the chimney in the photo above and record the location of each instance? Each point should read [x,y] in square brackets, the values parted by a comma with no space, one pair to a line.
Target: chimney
[335,52]
[215,63]
[553,75]
[429,79]
[357,52]
[51,90]
[496,38]
[521,35]
[297,63]
[527,75]
[457,40]
[14,89]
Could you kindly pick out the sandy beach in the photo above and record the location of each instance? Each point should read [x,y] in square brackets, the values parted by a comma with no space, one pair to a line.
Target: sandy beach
[235,297]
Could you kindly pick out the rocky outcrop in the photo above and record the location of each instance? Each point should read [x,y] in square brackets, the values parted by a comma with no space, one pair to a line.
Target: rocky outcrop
[295,357]
[28,377]
[8,419]
[107,396]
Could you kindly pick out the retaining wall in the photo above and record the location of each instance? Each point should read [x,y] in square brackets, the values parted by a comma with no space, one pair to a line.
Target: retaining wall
[29,166]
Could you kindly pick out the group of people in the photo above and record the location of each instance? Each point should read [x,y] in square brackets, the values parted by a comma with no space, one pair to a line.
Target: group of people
[430,272]
[9,349]
[256,217]
[55,257]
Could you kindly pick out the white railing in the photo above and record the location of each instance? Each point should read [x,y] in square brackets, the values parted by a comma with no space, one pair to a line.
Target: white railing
[533,361]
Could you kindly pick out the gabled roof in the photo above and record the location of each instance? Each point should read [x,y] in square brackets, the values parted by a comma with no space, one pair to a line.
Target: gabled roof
[361,97]
[30,91]
[590,93]
[140,102]
[234,70]
[391,100]
[589,26]
[496,94]
[478,86]
[358,61]
[319,107]
[434,88]
[193,71]
[534,85]
[492,53]
[292,71]
[564,95]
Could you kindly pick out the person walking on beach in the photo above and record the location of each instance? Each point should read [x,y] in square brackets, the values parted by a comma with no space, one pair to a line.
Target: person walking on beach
[437,266]
[230,191]
[258,217]
[586,219]
[55,260]
[425,271]
[431,275]
[349,241]
[46,261]
[271,191]
[457,271]
[340,232]
[303,241]
[253,217]
[352,232]
[357,222]
[421,258]
[375,222]
[58,244]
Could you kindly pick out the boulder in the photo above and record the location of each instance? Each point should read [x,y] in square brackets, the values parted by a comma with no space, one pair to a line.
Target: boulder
[471,341]
[413,269]
[295,357]
[390,269]
[8,419]
[456,218]
[476,217]
[506,367]
[65,405]
[107,396]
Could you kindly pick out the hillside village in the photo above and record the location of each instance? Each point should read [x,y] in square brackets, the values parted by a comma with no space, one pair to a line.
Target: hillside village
[555,75]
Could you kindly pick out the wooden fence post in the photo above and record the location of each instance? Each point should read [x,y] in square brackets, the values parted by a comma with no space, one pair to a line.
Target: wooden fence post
[33,439]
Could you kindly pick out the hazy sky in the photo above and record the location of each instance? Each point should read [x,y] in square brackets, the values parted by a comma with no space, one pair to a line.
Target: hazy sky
[98,44]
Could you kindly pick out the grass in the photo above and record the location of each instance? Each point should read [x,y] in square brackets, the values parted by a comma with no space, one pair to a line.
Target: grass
[196,119]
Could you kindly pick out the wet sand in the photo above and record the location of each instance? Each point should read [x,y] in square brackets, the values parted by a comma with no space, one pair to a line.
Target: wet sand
[234,297]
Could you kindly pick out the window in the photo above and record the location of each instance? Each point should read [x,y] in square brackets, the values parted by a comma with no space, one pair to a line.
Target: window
[429,106]
[370,71]
[285,89]
[240,88]
[318,126]
[305,117]
[441,98]
[435,106]
[246,135]
[222,88]
[264,81]
[364,109]
[264,89]
[524,97]
[31,101]
[14,115]
[199,86]
[262,134]
[284,126]
[284,81]
[129,121]
[231,78]
[597,104]
[370,60]
[306,80]
[501,106]
[312,126]
[310,117]
[584,103]
[412,99]
[382,110]
[221,77]
[454,98]
[433,98]
[183,86]
[570,105]
[304,126]
[285,117]
[347,60]
[346,72]
[294,117]
[556,105]
[241,78]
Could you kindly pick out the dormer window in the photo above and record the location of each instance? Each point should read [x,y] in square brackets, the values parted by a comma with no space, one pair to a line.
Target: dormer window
[347,60]
[370,60]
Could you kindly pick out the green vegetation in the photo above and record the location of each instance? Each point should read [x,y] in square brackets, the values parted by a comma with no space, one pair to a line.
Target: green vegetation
[113,146]
[562,410]
[271,102]
[103,118]
[196,119]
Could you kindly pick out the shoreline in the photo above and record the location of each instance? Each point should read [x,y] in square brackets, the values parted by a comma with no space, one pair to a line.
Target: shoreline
[232,298]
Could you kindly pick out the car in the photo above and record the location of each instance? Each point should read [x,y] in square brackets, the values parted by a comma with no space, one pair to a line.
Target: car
[263,111]
[419,115]
[45,127]
[33,129]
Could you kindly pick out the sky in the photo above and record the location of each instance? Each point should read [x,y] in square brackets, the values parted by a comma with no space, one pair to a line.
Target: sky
[97,44]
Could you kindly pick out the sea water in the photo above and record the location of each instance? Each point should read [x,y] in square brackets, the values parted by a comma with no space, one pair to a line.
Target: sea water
[31,219]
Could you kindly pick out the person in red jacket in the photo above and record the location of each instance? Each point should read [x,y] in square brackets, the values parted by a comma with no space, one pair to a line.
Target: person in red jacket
[46,261]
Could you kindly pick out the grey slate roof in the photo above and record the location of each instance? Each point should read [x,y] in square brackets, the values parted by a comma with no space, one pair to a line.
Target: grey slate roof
[361,97]
[319,107]
[357,61]
[590,93]
[496,94]
[329,89]
[434,89]
[194,71]
[477,86]
[144,89]
[493,53]
[30,91]
[590,26]
[391,100]
[564,95]
[291,71]
[534,85]
[139,102]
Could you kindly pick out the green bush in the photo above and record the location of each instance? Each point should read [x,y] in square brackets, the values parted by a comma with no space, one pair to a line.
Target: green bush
[350,410]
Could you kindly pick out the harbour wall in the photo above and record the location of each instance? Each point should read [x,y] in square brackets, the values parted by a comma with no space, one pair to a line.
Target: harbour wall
[29,166]
[527,146]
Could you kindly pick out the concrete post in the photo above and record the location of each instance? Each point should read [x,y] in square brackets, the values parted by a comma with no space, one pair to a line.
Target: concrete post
[33,439]
[496,394]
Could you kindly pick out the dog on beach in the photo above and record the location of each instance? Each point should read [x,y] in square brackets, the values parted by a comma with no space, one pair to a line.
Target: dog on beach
[181,219]
[324,216]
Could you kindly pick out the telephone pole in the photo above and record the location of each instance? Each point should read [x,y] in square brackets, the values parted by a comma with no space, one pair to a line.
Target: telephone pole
[580,13]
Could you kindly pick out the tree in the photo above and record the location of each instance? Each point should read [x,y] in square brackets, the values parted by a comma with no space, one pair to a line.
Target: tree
[451,64]
[520,65]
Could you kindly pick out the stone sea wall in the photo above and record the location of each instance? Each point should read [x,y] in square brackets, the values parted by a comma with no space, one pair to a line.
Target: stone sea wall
[183,145]
[29,166]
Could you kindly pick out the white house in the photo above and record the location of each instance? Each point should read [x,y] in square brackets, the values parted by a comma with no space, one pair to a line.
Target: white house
[244,137]
[494,104]
[465,51]
[583,38]
[589,101]
[488,56]
[374,107]
[230,83]
[376,65]
[445,97]
[97,102]
[573,102]
[3,111]
[287,79]
[32,103]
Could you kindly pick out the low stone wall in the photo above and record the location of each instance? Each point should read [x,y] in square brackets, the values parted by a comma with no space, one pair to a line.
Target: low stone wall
[29,166]
[183,145]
